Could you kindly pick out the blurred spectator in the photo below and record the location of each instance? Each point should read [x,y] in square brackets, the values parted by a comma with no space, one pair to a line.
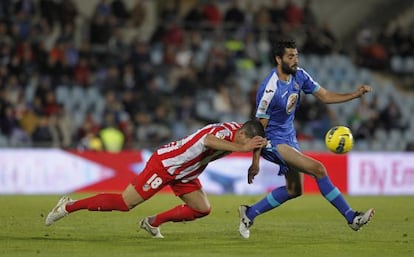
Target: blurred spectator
[222,103]
[252,97]
[294,15]
[138,14]
[5,9]
[112,138]
[173,34]
[88,127]
[149,134]
[42,134]
[100,29]
[128,130]
[212,14]
[82,72]
[169,11]
[119,10]
[390,116]
[194,18]
[140,60]
[313,118]
[51,106]
[319,40]
[68,12]
[371,53]
[233,17]
[309,17]
[90,142]
[364,120]
[64,126]
[276,13]
[28,120]
[112,81]
[49,10]
[103,9]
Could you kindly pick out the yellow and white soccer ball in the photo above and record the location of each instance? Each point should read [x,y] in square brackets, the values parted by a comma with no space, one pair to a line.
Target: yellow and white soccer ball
[339,139]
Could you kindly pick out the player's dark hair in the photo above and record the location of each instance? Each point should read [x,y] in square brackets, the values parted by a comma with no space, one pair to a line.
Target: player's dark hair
[253,128]
[279,47]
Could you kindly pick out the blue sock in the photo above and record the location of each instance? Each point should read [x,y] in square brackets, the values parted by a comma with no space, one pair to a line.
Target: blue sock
[334,196]
[271,201]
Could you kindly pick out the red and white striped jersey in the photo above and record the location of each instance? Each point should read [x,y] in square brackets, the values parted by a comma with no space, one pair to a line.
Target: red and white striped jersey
[187,158]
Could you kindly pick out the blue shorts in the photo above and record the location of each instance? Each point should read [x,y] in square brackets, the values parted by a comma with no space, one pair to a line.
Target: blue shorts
[271,154]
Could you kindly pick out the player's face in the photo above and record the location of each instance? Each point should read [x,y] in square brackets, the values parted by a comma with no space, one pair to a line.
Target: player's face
[241,138]
[290,61]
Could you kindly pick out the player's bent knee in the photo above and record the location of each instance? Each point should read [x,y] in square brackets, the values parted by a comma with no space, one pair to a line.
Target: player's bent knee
[319,171]
[199,214]
[131,197]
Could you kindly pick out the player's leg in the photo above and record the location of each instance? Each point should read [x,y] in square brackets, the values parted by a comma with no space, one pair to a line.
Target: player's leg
[146,184]
[196,204]
[112,201]
[278,196]
[306,164]
[293,189]
[100,202]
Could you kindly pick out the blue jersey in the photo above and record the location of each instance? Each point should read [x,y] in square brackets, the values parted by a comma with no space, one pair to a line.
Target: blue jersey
[276,101]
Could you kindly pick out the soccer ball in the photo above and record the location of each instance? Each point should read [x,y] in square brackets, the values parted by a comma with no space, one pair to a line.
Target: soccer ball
[339,139]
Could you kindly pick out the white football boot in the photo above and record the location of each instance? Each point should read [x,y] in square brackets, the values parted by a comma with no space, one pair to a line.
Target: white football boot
[361,219]
[245,222]
[58,211]
[153,231]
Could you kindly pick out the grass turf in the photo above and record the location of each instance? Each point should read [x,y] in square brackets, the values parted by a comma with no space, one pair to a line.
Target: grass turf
[307,226]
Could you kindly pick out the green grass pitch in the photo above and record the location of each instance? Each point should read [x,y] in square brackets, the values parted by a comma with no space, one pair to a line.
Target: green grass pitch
[308,226]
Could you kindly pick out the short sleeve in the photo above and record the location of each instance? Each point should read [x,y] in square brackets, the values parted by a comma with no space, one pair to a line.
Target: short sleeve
[309,85]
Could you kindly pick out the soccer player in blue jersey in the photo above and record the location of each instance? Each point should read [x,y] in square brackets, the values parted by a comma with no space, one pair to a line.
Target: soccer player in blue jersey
[276,102]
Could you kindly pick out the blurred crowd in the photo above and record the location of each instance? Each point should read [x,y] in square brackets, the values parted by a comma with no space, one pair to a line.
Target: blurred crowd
[388,47]
[193,69]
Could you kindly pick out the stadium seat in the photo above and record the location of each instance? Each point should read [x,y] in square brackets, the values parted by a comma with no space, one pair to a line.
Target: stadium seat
[408,65]
[3,141]
[397,64]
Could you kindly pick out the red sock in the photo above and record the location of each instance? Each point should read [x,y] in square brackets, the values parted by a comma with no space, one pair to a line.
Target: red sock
[178,214]
[100,202]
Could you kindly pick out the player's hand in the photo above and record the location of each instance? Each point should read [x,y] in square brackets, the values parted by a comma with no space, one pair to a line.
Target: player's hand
[363,89]
[253,171]
[255,142]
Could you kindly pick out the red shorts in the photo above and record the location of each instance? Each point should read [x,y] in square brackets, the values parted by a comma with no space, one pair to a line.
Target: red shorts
[155,177]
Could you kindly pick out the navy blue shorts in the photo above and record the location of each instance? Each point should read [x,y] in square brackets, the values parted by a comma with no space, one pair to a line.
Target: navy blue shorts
[271,154]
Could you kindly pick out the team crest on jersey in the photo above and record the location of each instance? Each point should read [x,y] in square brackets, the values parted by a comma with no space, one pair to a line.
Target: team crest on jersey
[222,134]
[291,103]
[296,86]
[145,187]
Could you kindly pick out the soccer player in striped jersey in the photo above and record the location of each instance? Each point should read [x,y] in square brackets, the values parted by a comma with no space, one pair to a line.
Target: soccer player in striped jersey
[178,165]
[276,102]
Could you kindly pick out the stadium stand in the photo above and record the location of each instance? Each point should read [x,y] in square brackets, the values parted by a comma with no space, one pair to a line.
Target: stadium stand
[156,70]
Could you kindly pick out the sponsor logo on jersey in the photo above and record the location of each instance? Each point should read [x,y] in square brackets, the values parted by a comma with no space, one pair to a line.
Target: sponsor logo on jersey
[269,91]
[263,105]
[291,103]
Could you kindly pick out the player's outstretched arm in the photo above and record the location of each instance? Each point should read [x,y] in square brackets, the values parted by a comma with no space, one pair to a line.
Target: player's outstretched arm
[220,144]
[330,97]
[255,166]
